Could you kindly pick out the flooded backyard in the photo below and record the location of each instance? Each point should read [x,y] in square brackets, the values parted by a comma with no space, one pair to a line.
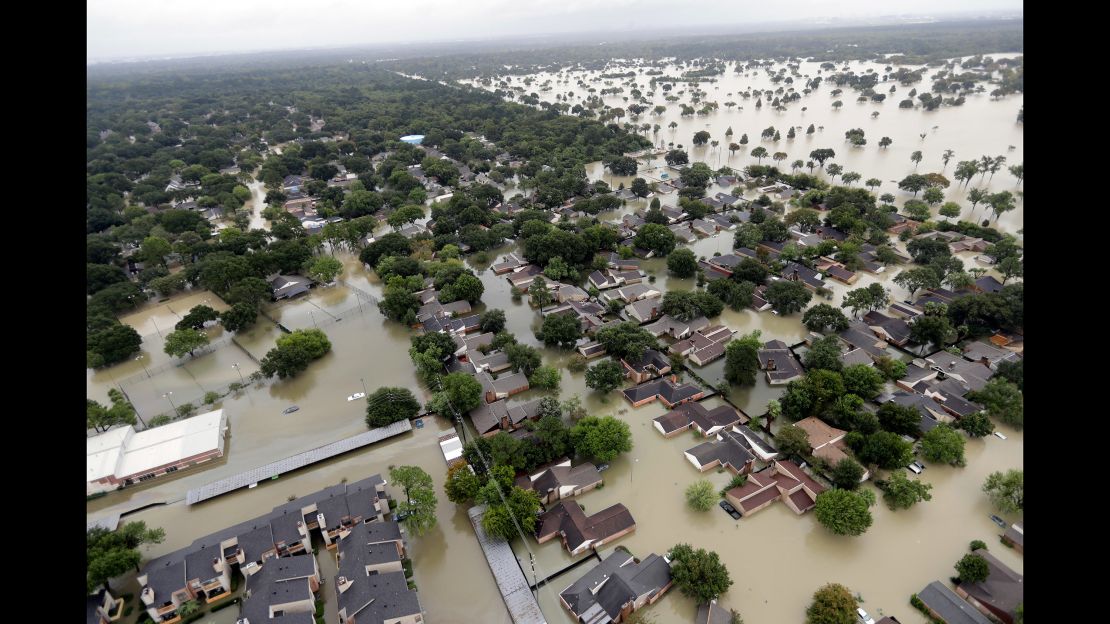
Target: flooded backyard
[776,559]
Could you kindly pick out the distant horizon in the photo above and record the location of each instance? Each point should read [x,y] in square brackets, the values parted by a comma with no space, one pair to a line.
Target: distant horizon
[571,38]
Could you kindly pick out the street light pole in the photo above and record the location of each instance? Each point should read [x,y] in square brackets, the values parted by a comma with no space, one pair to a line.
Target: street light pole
[167,396]
[156,326]
[313,319]
[236,367]
[140,360]
[363,384]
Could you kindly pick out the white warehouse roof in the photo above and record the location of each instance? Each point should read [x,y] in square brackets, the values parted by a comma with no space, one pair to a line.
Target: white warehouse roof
[123,452]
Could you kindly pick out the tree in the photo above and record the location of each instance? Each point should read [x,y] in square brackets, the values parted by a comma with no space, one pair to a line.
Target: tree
[823,317]
[885,449]
[862,380]
[626,340]
[682,263]
[872,297]
[916,158]
[640,188]
[1006,490]
[975,425]
[109,554]
[849,177]
[110,344]
[623,166]
[846,474]
[834,170]
[387,405]
[917,278]
[844,512]
[1000,203]
[792,441]
[250,290]
[405,214]
[325,269]
[918,211]
[676,157]
[699,573]
[601,438]
[873,183]
[197,317]
[419,507]
[462,392]
[294,352]
[913,182]
[462,484]
[492,321]
[899,419]
[885,142]
[823,353]
[901,492]
[655,237]
[188,608]
[102,418]
[949,209]
[701,137]
[1018,171]
[742,359]
[239,317]
[759,153]
[943,445]
[787,297]
[155,249]
[560,330]
[605,376]
[538,294]
[183,341]
[891,368]
[700,496]
[972,568]
[832,604]
[687,306]
[821,155]
[545,378]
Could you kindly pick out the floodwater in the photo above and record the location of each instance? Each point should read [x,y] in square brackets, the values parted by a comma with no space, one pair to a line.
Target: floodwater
[982,126]
[776,559]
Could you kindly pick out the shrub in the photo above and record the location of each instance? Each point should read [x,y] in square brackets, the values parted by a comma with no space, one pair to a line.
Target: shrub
[211,397]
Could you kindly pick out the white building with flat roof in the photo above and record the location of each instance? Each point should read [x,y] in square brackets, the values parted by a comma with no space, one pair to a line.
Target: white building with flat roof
[123,456]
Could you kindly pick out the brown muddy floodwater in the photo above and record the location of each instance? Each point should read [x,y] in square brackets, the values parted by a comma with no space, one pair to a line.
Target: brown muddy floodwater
[982,126]
[776,559]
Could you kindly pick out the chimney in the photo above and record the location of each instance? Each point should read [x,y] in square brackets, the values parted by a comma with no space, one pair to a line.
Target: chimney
[343,584]
[770,364]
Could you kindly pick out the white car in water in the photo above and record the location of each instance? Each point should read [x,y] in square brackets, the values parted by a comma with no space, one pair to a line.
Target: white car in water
[356,396]
[863,617]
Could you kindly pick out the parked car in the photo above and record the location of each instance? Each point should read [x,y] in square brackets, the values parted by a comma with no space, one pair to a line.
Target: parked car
[999,521]
[916,467]
[290,409]
[998,434]
[603,467]
[730,510]
[419,423]
[356,396]
[863,617]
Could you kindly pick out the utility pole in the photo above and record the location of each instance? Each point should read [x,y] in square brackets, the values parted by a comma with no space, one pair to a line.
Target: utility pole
[167,396]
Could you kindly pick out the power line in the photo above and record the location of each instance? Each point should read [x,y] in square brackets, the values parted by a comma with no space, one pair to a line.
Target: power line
[487,465]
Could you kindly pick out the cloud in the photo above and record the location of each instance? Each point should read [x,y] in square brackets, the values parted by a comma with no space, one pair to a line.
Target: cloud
[142,28]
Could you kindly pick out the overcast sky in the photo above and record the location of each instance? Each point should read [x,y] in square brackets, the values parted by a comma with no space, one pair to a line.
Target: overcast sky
[144,28]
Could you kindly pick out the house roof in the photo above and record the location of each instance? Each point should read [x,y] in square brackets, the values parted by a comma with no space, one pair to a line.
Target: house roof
[614,582]
[582,475]
[379,597]
[950,607]
[567,517]
[712,613]
[650,359]
[280,581]
[819,432]
[730,448]
[696,413]
[663,388]
[1003,588]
